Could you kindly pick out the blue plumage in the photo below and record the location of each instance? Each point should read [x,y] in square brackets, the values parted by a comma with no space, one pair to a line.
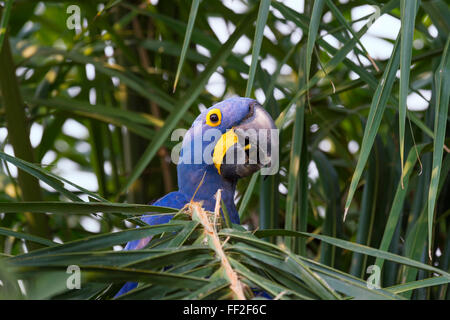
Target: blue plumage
[233,111]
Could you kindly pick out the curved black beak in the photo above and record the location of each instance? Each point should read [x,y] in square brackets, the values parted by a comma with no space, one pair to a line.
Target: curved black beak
[249,146]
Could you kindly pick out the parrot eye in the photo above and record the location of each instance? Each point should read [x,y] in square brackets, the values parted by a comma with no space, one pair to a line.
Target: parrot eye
[214,117]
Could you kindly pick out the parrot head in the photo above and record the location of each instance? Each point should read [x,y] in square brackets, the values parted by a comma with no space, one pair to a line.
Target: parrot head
[228,141]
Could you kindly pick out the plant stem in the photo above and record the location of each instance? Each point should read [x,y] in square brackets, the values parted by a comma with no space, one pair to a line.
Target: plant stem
[18,135]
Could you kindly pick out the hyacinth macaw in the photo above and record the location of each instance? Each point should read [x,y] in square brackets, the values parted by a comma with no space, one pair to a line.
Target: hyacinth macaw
[227,116]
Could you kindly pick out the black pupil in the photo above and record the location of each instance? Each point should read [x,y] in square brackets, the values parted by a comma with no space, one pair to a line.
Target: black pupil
[214,117]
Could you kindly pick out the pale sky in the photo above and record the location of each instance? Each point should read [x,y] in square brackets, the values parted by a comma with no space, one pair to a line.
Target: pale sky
[384,27]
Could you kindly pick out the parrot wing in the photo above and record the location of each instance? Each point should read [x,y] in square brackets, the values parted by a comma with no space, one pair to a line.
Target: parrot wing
[175,200]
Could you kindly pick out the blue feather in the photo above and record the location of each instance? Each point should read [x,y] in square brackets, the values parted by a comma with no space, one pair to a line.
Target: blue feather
[190,175]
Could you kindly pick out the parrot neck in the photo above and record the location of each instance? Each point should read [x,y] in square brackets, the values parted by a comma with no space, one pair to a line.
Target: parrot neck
[190,178]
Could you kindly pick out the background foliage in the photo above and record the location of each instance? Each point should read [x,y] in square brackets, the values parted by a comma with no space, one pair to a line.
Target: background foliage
[136,71]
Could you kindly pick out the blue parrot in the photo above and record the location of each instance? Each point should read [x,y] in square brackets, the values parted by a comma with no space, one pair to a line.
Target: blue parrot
[204,165]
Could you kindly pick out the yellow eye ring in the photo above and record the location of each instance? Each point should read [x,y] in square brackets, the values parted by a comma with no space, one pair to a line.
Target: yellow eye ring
[214,118]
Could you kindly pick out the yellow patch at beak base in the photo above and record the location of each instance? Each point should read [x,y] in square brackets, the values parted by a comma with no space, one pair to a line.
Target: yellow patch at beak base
[226,141]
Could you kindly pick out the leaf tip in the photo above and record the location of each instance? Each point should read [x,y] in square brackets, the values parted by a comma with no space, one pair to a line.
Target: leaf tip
[175,85]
